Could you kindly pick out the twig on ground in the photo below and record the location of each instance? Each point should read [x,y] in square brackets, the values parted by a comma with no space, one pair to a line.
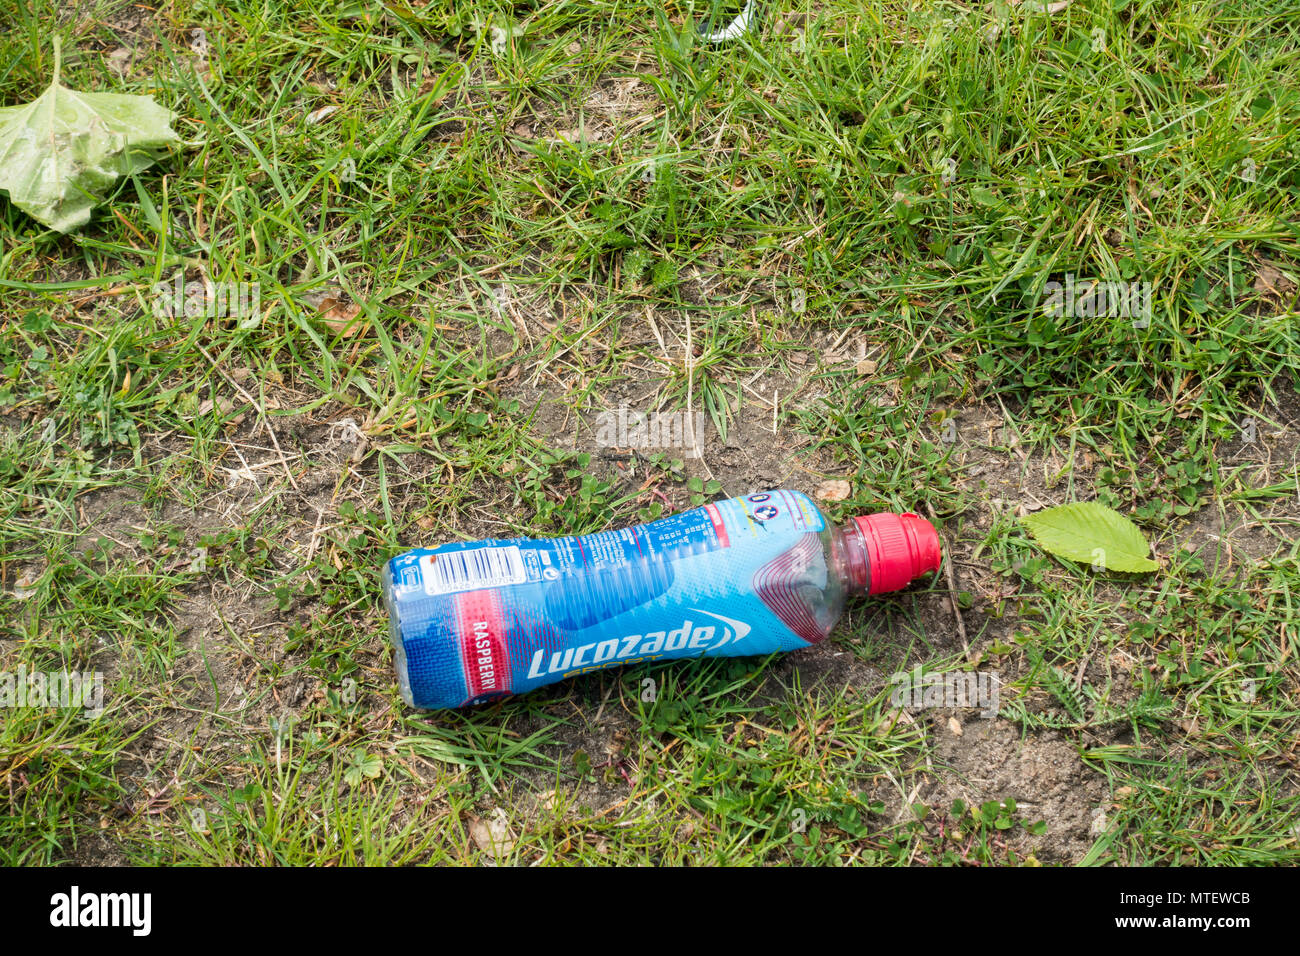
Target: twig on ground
[952,589]
[261,414]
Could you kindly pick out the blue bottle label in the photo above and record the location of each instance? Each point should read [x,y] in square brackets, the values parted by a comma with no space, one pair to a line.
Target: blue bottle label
[479,619]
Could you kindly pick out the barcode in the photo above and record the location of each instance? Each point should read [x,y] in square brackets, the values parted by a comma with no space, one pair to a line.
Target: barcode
[476,568]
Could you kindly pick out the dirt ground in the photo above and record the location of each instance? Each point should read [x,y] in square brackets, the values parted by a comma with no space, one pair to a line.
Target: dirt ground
[226,626]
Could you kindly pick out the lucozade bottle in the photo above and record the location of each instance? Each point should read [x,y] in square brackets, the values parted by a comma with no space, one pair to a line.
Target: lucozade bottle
[474,621]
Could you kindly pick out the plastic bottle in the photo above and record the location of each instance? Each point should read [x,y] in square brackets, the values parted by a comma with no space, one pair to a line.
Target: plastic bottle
[474,621]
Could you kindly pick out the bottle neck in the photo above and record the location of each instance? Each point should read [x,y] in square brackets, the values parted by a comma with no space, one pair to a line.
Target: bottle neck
[857,565]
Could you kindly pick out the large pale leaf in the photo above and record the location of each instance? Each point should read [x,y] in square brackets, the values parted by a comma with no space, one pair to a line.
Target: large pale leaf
[1090,532]
[62,152]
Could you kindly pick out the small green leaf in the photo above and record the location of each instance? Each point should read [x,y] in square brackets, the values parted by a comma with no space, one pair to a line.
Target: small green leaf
[1094,534]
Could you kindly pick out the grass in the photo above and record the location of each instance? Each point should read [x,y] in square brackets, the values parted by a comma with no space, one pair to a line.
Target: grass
[835,237]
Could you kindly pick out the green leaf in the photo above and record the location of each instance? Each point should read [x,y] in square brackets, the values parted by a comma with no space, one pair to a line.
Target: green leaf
[1092,533]
[62,152]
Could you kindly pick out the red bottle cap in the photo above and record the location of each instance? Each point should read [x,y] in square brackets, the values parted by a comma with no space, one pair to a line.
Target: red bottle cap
[900,548]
